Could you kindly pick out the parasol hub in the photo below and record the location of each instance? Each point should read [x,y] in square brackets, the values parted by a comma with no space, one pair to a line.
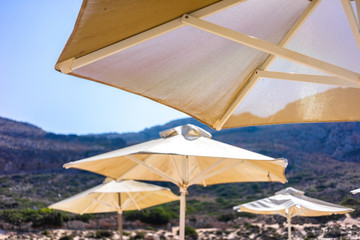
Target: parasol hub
[188,131]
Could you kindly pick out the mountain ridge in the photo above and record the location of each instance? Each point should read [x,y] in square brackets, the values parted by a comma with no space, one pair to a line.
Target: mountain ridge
[26,147]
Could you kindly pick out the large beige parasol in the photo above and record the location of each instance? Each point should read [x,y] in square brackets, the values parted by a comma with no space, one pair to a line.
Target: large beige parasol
[113,196]
[289,203]
[185,156]
[215,60]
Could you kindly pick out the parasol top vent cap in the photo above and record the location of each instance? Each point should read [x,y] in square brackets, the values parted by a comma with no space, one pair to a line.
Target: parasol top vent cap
[188,131]
[291,191]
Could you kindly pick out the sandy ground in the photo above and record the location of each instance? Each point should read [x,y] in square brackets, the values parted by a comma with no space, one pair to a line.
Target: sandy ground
[346,229]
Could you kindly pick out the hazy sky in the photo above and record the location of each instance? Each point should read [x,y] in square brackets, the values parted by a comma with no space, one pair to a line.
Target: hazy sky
[32,36]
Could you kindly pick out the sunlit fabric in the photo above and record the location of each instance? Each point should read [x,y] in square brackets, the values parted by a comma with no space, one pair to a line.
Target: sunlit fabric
[115,196]
[291,202]
[201,74]
[186,155]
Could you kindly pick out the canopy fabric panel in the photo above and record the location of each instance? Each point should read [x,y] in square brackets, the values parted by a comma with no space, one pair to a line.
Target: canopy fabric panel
[101,23]
[115,196]
[210,77]
[202,74]
[185,158]
[291,202]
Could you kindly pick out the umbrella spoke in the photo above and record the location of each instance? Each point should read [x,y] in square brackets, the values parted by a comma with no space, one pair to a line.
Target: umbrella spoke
[222,170]
[175,166]
[271,48]
[195,166]
[116,202]
[141,198]
[357,2]
[155,170]
[92,203]
[350,14]
[250,83]
[131,198]
[203,173]
[185,168]
[260,168]
[72,64]
[322,79]
[103,203]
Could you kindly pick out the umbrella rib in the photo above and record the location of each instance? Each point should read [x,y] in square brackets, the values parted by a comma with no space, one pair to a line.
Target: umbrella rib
[116,203]
[141,198]
[102,202]
[260,168]
[72,64]
[350,14]
[175,166]
[253,79]
[196,165]
[132,200]
[322,79]
[157,171]
[92,203]
[271,48]
[357,3]
[203,173]
[221,170]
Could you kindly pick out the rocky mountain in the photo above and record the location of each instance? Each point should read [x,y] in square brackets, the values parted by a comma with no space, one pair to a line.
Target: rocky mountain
[25,147]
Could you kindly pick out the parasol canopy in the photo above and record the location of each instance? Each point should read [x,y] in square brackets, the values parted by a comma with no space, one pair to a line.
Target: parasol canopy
[227,63]
[291,202]
[185,155]
[113,196]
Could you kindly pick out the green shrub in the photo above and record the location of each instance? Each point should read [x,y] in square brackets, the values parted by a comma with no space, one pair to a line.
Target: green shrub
[14,217]
[226,217]
[103,234]
[157,216]
[190,232]
[246,215]
[310,236]
[139,235]
[39,218]
[84,217]
[67,237]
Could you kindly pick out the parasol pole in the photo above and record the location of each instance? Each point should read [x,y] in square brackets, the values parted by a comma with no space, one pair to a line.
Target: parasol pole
[183,191]
[182,212]
[119,222]
[119,218]
[289,227]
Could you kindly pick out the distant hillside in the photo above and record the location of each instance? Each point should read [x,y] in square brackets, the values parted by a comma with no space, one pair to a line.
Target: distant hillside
[24,147]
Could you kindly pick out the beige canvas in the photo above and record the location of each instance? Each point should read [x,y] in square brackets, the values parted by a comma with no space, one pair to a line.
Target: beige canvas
[185,155]
[210,77]
[291,202]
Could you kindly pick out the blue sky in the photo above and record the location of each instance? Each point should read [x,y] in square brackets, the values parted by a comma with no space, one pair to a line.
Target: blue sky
[33,34]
